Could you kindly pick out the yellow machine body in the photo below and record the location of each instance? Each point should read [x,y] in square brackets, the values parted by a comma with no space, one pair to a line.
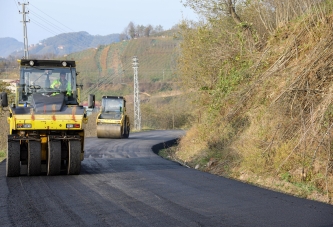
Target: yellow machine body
[43,123]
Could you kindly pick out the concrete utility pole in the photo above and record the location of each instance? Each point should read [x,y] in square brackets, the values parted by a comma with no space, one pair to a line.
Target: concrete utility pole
[137,114]
[25,34]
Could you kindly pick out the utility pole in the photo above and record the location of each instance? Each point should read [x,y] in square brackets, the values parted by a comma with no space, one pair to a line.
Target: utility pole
[137,114]
[25,34]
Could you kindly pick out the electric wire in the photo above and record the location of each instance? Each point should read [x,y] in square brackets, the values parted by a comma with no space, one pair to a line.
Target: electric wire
[53,28]
[52,18]
[16,4]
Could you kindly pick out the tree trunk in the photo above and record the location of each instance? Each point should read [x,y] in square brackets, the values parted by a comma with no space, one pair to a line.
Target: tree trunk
[247,30]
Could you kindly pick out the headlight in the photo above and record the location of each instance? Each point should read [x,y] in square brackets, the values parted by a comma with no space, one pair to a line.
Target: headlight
[64,63]
[31,63]
[72,125]
[23,125]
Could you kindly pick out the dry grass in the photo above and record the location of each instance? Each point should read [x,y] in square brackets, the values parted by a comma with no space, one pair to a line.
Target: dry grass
[192,145]
[277,130]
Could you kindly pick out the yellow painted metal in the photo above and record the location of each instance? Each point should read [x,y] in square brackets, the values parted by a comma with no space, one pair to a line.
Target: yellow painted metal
[46,122]
[110,121]
[44,146]
[10,121]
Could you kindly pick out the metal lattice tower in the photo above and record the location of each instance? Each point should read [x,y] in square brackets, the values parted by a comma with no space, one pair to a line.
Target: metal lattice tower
[25,33]
[137,114]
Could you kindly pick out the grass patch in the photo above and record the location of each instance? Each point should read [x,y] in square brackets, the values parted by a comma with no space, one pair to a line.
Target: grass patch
[167,153]
[2,156]
[170,154]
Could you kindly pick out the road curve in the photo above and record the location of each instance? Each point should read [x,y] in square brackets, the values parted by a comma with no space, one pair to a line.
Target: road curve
[123,183]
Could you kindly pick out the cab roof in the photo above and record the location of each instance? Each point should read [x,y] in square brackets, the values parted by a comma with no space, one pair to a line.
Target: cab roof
[48,63]
[112,97]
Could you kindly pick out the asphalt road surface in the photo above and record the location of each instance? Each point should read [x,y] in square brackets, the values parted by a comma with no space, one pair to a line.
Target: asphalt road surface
[124,183]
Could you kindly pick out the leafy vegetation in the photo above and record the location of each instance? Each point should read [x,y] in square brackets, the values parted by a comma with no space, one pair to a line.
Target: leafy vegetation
[261,80]
[2,155]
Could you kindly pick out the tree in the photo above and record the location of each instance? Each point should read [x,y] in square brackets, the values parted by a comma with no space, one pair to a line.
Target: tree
[211,9]
[253,14]
[131,30]
[123,36]
[140,30]
[147,30]
[159,28]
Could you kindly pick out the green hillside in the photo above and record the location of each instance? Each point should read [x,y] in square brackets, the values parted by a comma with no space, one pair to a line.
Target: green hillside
[108,68]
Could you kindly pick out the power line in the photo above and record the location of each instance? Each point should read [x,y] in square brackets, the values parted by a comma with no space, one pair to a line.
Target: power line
[44,27]
[52,17]
[54,27]
[16,4]
[50,24]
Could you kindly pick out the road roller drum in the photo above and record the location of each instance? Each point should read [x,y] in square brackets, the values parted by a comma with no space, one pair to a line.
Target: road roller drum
[109,131]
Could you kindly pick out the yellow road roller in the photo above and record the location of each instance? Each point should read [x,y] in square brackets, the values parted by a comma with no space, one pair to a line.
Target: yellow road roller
[46,122]
[112,121]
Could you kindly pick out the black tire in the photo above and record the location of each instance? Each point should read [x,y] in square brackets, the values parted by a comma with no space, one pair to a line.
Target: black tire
[74,157]
[54,157]
[4,99]
[34,158]
[126,128]
[13,159]
[127,132]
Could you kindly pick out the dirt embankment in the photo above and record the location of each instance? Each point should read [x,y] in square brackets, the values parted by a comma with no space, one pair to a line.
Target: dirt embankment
[5,129]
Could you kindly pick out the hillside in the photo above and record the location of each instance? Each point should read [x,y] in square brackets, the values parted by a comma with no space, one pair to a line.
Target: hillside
[58,45]
[108,68]
[264,113]
[8,46]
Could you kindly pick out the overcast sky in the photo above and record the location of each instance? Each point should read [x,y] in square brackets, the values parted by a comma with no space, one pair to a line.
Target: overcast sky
[97,17]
